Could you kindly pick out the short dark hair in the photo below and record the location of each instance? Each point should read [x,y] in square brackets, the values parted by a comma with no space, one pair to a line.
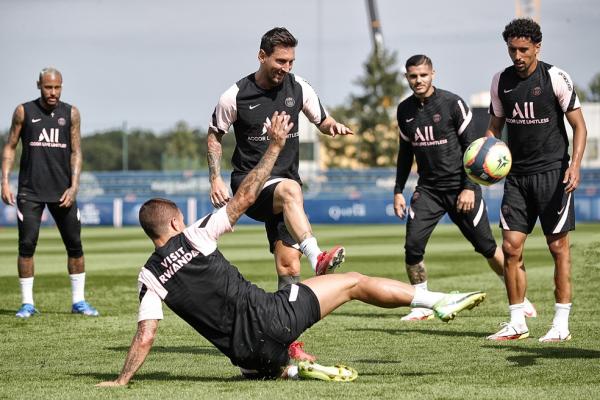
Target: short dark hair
[277,37]
[523,28]
[418,59]
[155,215]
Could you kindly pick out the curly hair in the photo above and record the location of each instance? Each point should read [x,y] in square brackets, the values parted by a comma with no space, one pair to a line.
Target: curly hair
[277,37]
[523,28]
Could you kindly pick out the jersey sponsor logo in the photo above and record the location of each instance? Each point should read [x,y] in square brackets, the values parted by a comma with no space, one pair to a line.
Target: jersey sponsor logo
[174,262]
[525,115]
[569,86]
[61,121]
[264,137]
[48,139]
[290,102]
[34,120]
[425,137]
[252,107]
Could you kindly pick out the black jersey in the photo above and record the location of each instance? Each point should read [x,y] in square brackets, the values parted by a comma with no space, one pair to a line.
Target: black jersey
[45,168]
[436,132]
[248,108]
[195,280]
[534,109]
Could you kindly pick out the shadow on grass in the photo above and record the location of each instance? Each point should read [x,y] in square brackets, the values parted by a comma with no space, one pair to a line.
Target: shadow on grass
[532,354]
[159,376]
[396,373]
[421,331]
[174,349]
[363,315]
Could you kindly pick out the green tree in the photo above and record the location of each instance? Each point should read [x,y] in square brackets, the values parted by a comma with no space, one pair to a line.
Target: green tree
[102,151]
[594,88]
[371,114]
[182,148]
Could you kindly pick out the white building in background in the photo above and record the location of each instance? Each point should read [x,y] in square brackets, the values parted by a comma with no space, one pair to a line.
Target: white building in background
[591,114]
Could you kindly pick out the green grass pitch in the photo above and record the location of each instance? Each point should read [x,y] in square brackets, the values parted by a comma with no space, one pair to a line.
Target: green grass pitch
[59,355]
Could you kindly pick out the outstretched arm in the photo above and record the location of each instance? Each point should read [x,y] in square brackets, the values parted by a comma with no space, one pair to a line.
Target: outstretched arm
[331,127]
[8,154]
[140,347]
[253,182]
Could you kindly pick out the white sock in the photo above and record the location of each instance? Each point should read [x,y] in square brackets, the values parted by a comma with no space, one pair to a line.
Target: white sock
[292,372]
[422,285]
[424,298]
[517,314]
[561,316]
[311,250]
[77,287]
[26,290]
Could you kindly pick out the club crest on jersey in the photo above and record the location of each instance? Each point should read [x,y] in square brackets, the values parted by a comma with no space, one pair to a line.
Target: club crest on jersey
[61,121]
[437,118]
[290,102]
[536,91]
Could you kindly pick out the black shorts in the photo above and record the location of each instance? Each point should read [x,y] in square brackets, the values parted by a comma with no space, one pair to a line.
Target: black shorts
[286,314]
[262,210]
[29,218]
[428,206]
[540,195]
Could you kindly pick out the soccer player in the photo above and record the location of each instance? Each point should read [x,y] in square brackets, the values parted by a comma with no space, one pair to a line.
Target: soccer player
[247,105]
[253,328]
[49,131]
[435,128]
[532,98]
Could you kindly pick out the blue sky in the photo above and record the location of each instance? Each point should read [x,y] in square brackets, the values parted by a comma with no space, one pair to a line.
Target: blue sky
[151,63]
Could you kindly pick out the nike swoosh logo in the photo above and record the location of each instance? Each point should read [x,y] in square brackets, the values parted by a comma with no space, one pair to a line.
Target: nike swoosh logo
[508,91]
[561,210]
[254,106]
[410,119]
[34,120]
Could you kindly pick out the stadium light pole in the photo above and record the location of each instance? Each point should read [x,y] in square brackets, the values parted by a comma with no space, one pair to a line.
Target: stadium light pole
[376,33]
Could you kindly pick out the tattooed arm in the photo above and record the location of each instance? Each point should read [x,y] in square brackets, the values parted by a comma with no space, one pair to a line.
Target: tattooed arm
[140,347]
[68,197]
[253,182]
[219,194]
[8,154]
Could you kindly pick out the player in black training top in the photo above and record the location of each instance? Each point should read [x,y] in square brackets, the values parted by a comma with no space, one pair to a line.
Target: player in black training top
[435,129]
[253,328]
[247,105]
[532,98]
[49,171]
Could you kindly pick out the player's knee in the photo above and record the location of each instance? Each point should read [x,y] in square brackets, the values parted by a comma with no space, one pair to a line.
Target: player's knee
[289,190]
[27,248]
[288,264]
[510,250]
[74,250]
[488,252]
[558,244]
[355,278]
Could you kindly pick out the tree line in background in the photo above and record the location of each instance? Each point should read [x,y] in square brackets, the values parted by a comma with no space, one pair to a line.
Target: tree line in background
[371,114]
